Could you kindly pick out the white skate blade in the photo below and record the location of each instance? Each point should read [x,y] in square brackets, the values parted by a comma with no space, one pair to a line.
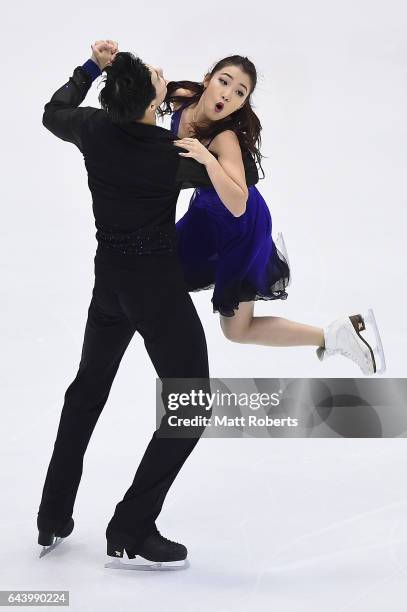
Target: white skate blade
[48,549]
[378,351]
[280,244]
[144,565]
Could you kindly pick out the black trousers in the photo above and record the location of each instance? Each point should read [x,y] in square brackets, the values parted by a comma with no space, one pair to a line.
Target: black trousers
[150,297]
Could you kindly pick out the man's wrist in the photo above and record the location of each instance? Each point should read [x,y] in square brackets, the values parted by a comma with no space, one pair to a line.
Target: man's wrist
[92,68]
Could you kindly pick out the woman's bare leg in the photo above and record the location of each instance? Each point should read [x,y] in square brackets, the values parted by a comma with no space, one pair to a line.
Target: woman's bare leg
[269,331]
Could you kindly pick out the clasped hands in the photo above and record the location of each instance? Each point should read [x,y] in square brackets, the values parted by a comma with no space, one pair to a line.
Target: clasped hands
[104,52]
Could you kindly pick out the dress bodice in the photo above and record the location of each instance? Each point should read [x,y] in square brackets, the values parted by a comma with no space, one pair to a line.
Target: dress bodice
[176,118]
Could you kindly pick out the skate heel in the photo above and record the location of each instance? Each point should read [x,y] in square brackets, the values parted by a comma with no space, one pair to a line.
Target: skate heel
[378,348]
[358,323]
[66,530]
[117,551]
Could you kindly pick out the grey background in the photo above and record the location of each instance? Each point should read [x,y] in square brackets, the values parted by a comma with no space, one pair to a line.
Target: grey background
[296,523]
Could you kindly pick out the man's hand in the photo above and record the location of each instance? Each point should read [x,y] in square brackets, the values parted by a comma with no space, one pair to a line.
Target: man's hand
[104,52]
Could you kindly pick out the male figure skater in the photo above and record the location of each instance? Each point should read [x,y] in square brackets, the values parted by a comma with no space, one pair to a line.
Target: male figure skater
[134,174]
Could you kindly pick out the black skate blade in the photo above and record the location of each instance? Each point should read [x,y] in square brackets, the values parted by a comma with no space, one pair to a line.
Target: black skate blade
[48,549]
[144,565]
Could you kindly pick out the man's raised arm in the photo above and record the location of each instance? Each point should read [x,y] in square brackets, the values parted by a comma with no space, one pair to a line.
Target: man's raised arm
[61,114]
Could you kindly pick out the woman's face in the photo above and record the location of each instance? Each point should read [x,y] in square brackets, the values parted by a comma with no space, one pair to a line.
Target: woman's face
[225,92]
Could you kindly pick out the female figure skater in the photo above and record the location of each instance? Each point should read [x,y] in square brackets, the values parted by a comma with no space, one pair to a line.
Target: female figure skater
[225,239]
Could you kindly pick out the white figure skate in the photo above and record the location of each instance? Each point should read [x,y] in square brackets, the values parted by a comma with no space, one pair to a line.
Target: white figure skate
[343,337]
[280,244]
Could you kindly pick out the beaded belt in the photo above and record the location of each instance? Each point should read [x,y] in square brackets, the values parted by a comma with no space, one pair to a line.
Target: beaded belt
[153,240]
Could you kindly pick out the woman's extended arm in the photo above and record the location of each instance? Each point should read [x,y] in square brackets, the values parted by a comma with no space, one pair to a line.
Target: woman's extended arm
[227,173]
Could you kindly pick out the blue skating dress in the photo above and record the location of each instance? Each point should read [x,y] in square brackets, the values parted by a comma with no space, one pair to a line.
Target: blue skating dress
[236,256]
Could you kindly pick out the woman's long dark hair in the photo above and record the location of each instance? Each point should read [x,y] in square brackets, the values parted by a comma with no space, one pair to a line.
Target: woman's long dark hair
[244,121]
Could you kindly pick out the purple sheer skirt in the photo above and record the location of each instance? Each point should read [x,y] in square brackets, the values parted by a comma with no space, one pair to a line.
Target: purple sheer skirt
[236,256]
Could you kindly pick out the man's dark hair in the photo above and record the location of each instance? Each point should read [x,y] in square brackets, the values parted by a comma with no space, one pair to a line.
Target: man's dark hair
[128,88]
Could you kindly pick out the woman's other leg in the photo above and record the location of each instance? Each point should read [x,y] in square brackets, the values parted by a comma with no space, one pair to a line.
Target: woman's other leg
[268,331]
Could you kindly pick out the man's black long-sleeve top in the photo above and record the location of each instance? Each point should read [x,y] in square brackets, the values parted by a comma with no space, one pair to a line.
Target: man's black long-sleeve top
[134,171]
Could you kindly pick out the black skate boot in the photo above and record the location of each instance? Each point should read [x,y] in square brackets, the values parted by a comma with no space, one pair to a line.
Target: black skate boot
[50,535]
[155,553]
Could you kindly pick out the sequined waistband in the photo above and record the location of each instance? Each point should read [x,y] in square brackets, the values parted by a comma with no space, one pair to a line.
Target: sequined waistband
[153,240]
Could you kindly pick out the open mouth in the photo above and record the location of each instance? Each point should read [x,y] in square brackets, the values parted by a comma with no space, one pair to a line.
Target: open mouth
[219,107]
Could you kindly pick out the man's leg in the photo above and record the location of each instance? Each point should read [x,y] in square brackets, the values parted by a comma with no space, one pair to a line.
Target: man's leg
[107,335]
[175,341]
